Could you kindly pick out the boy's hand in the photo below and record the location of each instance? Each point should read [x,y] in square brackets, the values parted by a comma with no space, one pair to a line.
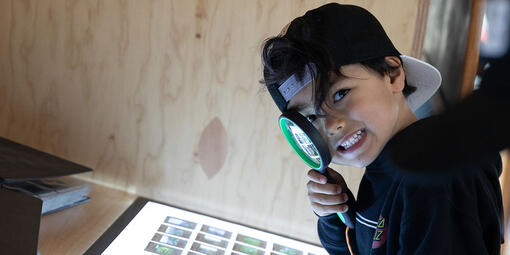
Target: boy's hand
[327,198]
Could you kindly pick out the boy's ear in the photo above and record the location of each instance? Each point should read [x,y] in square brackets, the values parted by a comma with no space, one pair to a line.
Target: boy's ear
[397,76]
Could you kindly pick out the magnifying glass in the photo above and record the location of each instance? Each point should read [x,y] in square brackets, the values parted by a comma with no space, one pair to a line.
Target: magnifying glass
[307,142]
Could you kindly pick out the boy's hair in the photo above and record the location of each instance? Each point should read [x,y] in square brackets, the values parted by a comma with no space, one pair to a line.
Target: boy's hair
[283,56]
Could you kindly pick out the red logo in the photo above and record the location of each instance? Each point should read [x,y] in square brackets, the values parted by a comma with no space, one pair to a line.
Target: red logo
[380,233]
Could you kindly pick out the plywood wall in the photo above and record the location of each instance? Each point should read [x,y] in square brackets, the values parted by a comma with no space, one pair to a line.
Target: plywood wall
[162,98]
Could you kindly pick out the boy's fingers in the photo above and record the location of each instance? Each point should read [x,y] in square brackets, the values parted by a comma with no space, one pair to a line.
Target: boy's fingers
[336,177]
[324,210]
[328,188]
[328,199]
[316,176]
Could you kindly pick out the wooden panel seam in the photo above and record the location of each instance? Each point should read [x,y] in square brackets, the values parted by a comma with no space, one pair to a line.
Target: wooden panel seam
[420,28]
[472,48]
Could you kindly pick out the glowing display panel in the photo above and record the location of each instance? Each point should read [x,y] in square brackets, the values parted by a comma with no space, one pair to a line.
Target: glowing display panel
[162,229]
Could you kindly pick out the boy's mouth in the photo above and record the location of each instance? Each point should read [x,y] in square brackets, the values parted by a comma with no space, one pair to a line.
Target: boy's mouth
[350,143]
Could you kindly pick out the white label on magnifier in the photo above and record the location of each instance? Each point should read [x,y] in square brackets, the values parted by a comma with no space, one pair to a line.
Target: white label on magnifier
[305,143]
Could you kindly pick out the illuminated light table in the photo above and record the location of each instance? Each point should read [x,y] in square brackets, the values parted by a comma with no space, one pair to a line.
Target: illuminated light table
[148,227]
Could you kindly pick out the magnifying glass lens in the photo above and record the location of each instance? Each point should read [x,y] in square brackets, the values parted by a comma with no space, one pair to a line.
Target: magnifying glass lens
[301,143]
[307,142]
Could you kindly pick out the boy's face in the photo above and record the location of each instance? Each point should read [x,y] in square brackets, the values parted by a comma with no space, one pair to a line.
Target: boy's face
[363,111]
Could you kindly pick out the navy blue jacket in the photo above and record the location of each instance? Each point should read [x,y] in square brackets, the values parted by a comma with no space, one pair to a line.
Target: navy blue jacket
[403,213]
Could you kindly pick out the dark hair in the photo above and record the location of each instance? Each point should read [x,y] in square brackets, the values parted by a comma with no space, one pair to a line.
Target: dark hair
[283,56]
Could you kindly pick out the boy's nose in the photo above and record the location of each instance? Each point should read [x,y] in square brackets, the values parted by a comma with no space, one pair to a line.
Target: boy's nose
[333,125]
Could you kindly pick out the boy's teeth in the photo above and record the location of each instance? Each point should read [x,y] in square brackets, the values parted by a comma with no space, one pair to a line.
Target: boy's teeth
[353,140]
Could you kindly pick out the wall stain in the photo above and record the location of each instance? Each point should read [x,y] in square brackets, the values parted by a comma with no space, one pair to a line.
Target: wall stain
[212,147]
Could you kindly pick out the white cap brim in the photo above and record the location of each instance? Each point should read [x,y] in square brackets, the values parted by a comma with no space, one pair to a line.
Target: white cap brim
[425,77]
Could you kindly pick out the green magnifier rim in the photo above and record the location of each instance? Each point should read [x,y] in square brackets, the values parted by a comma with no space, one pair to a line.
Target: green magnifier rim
[288,135]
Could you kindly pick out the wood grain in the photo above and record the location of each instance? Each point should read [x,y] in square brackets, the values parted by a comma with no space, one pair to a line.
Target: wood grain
[127,87]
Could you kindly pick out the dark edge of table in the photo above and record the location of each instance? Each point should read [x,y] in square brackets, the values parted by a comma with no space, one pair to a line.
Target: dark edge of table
[114,230]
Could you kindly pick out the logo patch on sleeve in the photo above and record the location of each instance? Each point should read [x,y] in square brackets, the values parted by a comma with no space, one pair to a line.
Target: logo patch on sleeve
[380,233]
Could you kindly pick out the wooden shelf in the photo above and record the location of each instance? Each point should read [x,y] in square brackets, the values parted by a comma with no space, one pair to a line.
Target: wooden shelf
[74,230]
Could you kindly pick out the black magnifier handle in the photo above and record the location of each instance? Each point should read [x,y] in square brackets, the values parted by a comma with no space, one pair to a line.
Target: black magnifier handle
[349,216]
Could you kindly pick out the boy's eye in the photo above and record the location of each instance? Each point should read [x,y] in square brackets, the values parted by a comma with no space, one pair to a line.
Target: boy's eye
[311,117]
[340,94]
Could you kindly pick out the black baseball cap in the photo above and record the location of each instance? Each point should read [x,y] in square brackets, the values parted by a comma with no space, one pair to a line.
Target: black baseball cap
[351,34]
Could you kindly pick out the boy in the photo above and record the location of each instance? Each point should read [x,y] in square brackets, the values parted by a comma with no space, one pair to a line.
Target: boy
[361,93]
